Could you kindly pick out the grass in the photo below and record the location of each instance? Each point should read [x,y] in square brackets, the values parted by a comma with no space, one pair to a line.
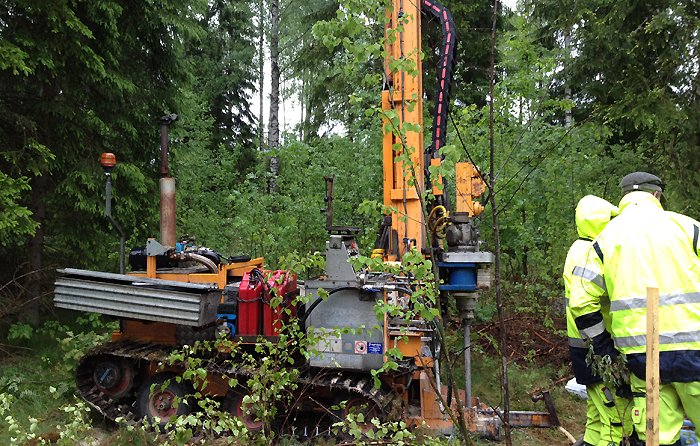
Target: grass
[37,373]
[571,410]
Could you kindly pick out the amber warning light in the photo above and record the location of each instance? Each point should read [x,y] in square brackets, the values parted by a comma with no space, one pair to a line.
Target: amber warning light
[108,161]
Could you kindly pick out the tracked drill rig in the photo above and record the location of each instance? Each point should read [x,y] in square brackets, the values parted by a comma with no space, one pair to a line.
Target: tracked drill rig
[178,292]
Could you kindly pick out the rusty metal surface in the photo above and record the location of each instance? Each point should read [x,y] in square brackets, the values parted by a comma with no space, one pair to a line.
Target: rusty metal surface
[531,419]
[163,149]
[479,418]
[168,216]
[549,403]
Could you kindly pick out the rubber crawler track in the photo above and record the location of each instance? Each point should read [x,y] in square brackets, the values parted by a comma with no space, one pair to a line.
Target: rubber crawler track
[136,351]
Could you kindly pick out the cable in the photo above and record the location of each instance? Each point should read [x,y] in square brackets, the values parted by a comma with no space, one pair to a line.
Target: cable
[311,308]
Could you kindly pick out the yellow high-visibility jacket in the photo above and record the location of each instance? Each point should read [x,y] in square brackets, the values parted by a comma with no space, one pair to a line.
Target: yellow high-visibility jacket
[592,214]
[644,246]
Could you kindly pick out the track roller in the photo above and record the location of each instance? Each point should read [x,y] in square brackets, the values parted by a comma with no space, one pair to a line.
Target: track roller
[246,412]
[168,399]
[113,376]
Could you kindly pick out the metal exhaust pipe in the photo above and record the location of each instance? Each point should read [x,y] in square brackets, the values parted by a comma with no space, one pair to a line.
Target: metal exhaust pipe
[168,215]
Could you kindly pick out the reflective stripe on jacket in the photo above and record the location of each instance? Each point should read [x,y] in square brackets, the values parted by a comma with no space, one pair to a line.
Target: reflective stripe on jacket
[645,247]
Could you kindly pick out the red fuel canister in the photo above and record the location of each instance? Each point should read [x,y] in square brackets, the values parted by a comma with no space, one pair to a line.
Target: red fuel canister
[249,306]
[273,318]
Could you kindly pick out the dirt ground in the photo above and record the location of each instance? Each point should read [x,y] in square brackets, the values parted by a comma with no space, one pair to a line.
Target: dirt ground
[528,340]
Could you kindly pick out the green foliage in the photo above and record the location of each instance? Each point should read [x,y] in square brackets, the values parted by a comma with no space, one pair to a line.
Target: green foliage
[15,218]
[246,220]
[81,78]
[473,20]
[37,381]
[542,166]
[221,58]
[20,330]
[614,373]
[75,430]
[631,71]
[327,67]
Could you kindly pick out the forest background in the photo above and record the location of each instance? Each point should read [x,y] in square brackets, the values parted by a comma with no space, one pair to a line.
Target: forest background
[585,93]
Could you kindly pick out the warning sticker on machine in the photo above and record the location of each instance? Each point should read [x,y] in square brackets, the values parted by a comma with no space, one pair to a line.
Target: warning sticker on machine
[360,347]
[327,342]
[375,347]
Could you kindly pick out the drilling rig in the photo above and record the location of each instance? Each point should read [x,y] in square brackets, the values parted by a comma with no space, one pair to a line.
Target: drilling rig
[178,292]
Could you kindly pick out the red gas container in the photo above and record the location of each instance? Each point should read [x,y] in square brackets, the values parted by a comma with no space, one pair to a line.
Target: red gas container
[284,283]
[250,316]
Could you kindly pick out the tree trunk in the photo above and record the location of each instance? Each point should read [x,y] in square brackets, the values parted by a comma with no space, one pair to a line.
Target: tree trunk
[503,341]
[309,83]
[302,100]
[273,137]
[261,52]
[30,310]
[567,89]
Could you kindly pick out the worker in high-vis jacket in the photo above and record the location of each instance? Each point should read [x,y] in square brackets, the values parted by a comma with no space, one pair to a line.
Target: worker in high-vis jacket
[604,426]
[645,246]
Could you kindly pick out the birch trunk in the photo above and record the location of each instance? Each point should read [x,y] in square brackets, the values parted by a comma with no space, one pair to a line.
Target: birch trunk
[273,136]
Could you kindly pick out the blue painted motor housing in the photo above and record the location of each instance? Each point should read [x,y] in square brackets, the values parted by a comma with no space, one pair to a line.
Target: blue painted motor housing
[462,276]
[180,247]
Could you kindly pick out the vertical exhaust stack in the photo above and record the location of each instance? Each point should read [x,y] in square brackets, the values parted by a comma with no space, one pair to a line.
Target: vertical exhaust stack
[168,216]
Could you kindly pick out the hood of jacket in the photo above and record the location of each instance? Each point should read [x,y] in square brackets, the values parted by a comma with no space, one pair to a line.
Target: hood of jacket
[592,214]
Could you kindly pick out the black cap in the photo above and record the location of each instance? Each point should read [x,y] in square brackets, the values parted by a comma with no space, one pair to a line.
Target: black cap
[641,181]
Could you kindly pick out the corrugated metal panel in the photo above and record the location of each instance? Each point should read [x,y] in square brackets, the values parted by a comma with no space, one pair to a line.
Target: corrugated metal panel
[137,298]
[125,278]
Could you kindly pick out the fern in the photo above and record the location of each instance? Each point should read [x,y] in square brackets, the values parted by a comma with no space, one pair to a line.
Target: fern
[28,394]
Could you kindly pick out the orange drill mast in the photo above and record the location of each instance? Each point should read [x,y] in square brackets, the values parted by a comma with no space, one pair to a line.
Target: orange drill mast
[406,174]
[403,101]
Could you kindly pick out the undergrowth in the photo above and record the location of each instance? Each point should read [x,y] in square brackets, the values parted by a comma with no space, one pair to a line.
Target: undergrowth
[39,402]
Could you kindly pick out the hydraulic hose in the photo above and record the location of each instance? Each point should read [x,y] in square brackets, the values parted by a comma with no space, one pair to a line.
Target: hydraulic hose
[311,308]
[438,227]
[444,77]
[197,258]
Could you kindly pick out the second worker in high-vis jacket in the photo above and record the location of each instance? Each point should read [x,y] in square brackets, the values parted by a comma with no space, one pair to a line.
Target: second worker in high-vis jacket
[608,420]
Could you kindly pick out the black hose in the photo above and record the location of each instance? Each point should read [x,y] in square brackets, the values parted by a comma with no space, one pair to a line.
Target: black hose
[404,290]
[444,79]
[265,298]
[311,308]
[258,275]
